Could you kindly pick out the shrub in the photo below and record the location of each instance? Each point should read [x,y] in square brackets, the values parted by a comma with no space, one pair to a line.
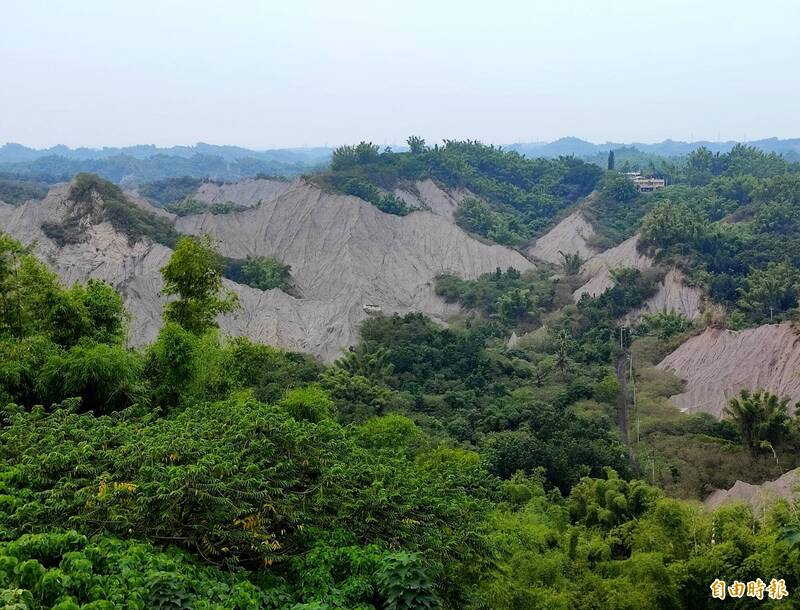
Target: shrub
[261,272]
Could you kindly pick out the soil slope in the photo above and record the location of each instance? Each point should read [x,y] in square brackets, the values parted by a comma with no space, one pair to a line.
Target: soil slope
[426,194]
[344,254]
[571,235]
[718,363]
[758,496]
[672,295]
[245,192]
[598,268]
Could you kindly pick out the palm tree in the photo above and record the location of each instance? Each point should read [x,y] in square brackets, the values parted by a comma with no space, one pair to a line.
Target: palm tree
[562,352]
[760,417]
[571,262]
[790,534]
[374,364]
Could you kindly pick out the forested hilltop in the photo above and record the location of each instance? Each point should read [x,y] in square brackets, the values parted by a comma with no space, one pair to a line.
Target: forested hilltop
[525,455]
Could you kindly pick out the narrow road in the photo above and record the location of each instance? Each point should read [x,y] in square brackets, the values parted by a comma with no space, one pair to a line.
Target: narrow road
[622,411]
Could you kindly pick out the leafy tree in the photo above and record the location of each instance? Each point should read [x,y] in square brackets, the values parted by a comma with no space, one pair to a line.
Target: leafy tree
[563,351]
[194,274]
[610,501]
[386,202]
[404,583]
[475,216]
[345,157]
[610,161]
[770,290]
[416,145]
[30,294]
[104,377]
[617,187]
[672,225]
[356,397]
[664,324]
[392,432]
[64,569]
[310,404]
[700,166]
[571,262]
[172,364]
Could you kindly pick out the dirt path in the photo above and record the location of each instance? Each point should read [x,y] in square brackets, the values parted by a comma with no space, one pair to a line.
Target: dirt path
[622,410]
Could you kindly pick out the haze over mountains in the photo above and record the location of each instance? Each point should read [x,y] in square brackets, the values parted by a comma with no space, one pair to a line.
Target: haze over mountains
[221,162]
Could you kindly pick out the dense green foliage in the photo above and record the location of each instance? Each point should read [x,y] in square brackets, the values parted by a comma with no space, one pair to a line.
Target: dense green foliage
[517,197]
[511,298]
[188,206]
[385,202]
[14,190]
[262,272]
[430,466]
[761,418]
[170,190]
[738,237]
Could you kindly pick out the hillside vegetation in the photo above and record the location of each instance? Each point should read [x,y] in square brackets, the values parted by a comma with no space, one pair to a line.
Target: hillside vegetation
[429,466]
[516,198]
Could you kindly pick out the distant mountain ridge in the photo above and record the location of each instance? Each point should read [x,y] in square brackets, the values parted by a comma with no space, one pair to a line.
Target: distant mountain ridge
[17,153]
[132,165]
[669,148]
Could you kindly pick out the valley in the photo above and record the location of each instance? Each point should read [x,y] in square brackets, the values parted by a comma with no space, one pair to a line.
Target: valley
[401,361]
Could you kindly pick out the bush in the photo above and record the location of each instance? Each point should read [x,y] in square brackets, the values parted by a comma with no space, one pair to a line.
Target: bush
[187,207]
[104,377]
[261,272]
[310,404]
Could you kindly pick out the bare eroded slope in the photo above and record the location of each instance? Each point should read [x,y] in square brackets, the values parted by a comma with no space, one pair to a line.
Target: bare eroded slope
[673,294]
[598,268]
[344,254]
[426,194]
[248,192]
[717,364]
[571,235]
[760,497]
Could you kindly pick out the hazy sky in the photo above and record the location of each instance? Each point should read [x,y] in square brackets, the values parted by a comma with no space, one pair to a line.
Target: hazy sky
[269,74]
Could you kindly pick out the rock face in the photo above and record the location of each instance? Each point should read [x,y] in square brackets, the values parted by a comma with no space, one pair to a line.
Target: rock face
[133,268]
[344,254]
[673,295]
[598,268]
[571,235]
[246,192]
[760,497]
[717,364]
[429,195]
